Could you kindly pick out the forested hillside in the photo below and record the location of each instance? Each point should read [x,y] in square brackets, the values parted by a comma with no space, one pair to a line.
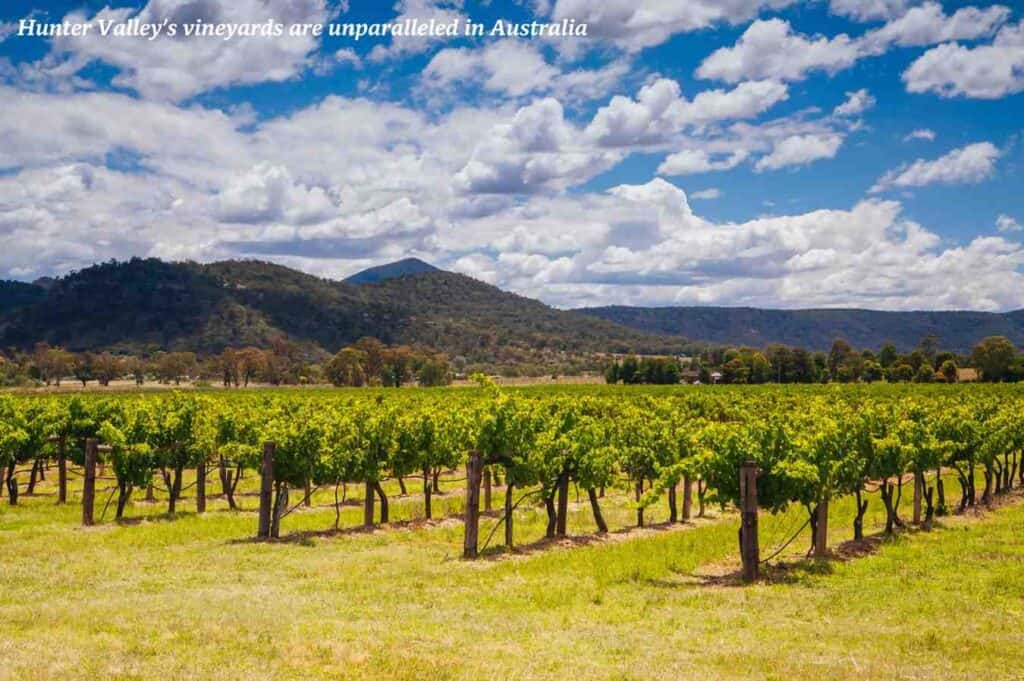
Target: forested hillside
[148,304]
[816,329]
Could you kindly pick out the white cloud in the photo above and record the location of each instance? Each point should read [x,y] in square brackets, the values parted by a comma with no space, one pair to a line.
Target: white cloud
[925,134]
[870,10]
[268,193]
[692,161]
[928,24]
[1006,224]
[515,68]
[984,72]
[800,150]
[348,56]
[440,11]
[635,24]
[707,194]
[538,150]
[173,69]
[655,250]
[968,165]
[772,49]
[856,103]
[660,111]
[511,67]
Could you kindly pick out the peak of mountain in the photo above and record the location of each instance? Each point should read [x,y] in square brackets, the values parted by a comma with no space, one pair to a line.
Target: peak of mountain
[391,270]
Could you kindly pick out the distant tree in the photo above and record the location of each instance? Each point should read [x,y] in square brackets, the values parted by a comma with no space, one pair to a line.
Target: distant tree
[871,371]
[929,346]
[228,363]
[397,367]
[993,358]
[374,350]
[282,361]
[135,366]
[735,371]
[916,358]
[175,366]
[347,367]
[925,374]
[887,355]
[948,370]
[628,370]
[106,368]
[82,368]
[901,373]
[760,368]
[837,356]
[251,362]
[52,363]
[611,373]
[434,371]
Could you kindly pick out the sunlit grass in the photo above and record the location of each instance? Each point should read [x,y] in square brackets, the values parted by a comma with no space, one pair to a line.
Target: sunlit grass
[191,597]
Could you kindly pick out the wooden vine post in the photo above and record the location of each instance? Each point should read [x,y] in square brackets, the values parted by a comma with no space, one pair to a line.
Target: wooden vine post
[918,495]
[89,481]
[821,530]
[748,523]
[687,497]
[266,490]
[201,487]
[62,468]
[474,475]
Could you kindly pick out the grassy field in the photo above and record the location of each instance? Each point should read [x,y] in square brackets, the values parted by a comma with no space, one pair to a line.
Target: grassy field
[191,597]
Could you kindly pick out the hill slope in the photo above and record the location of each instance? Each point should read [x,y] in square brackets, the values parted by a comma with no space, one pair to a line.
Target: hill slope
[149,304]
[816,329]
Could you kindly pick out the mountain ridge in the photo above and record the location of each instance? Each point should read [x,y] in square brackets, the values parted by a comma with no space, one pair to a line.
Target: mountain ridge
[149,304]
[816,328]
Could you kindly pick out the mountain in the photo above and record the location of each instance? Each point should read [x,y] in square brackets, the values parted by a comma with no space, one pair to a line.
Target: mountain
[816,329]
[391,270]
[148,304]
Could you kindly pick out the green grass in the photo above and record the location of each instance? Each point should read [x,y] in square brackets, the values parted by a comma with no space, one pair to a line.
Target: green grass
[189,597]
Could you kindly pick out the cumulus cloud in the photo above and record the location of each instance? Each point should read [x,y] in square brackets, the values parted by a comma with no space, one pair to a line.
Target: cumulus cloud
[968,165]
[928,24]
[635,24]
[660,111]
[856,103]
[176,68]
[514,68]
[441,11]
[983,72]
[268,193]
[800,150]
[1006,224]
[869,10]
[692,161]
[770,48]
[537,150]
[868,255]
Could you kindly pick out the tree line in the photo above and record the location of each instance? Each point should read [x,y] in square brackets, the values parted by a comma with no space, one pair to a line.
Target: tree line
[994,359]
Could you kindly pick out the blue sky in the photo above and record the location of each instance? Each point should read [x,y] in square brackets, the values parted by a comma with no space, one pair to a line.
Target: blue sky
[777,153]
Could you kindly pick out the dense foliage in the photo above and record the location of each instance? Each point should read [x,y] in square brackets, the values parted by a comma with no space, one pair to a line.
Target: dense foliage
[810,444]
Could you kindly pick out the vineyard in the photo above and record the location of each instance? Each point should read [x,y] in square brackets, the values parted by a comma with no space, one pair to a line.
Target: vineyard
[580,510]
